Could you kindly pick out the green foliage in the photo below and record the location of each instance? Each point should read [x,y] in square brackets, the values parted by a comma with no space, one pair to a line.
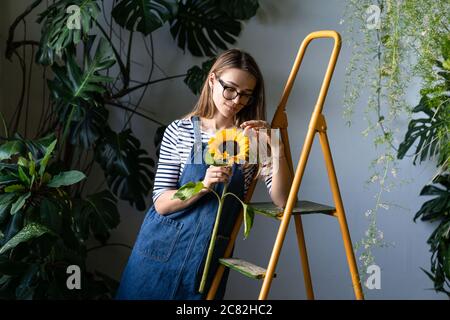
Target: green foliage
[188,190]
[433,135]
[143,16]
[97,214]
[126,166]
[408,42]
[438,209]
[196,76]
[38,225]
[88,72]
[56,35]
[201,26]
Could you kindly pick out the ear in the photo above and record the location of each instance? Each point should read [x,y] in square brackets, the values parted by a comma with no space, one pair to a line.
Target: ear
[211,78]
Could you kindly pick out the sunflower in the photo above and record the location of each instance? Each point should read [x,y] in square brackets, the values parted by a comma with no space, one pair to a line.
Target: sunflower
[229,146]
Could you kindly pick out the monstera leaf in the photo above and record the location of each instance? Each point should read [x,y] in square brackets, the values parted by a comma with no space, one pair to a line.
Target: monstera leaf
[126,166]
[196,76]
[424,130]
[73,86]
[64,23]
[201,26]
[439,206]
[97,213]
[144,16]
[88,126]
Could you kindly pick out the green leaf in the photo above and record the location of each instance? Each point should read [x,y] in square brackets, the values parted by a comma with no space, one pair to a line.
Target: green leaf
[30,231]
[439,207]
[249,216]
[22,162]
[6,198]
[188,190]
[46,158]
[76,91]
[144,16]
[56,33]
[202,27]
[51,214]
[66,178]
[20,202]
[127,167]
[196,76]
[23,176]
[5,211]
[88,126]
[10,148]
[98,213]
[424,130]
[8,178]
[32,167]
[209,159]
[14,188]
[28,283]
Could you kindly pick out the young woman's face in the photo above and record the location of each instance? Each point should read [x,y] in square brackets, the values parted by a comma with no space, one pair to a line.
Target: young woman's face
[232,90]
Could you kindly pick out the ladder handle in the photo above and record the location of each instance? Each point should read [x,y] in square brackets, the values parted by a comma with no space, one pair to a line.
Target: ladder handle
[280,119]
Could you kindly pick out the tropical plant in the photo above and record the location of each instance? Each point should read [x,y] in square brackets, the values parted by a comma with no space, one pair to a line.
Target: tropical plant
[430,134]
[39,233]
[85,54]
[392,42]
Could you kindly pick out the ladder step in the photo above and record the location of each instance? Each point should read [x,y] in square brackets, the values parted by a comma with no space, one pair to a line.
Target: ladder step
[301,207]
[248,269]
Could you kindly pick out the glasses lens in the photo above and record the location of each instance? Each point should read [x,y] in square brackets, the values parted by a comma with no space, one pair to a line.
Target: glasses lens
[229,93]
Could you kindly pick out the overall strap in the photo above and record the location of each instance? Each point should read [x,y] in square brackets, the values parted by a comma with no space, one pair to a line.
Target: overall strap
[198,146]
[197,130]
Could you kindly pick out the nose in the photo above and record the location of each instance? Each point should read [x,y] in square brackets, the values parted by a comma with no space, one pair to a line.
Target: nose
[237,99]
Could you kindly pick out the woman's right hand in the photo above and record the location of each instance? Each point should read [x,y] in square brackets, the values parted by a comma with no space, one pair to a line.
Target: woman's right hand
[215,175]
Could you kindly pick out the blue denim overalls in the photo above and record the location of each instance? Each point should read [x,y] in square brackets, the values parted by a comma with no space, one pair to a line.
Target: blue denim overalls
[170,251]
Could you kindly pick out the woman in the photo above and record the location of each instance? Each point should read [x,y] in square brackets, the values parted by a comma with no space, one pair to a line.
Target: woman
[170,251]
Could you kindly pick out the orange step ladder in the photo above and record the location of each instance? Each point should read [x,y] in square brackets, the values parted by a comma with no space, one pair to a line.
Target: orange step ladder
[317,125]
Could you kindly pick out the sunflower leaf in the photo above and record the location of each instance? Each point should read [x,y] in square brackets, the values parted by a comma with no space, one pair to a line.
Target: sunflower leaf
[188,190]
[249,215]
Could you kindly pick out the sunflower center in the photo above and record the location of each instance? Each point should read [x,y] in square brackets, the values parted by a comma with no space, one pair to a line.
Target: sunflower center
[231,147]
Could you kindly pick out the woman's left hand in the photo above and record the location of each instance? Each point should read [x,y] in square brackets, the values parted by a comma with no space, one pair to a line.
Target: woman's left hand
[254,124]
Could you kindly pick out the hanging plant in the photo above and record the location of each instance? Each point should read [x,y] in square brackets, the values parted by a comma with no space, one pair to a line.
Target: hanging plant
[391,42]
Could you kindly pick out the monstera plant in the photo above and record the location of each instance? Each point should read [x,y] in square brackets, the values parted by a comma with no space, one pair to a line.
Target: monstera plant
[85,54]
[429,132]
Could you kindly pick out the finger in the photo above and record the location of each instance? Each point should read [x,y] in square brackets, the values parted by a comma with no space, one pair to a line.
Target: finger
[255,123]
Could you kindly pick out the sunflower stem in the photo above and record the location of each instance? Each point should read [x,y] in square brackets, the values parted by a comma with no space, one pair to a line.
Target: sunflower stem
[213,240]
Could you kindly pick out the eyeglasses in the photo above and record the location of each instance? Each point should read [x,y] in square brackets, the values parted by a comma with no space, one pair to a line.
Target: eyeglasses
[231,93]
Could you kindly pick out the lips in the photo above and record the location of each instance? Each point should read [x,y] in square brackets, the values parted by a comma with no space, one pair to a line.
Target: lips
[231,108]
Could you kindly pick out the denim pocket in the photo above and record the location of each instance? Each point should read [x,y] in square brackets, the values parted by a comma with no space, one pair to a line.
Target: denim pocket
[159,236]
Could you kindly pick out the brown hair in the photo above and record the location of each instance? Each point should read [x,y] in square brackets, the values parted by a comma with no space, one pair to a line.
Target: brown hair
[233,58]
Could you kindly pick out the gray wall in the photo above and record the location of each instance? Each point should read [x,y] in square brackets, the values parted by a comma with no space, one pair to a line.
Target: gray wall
[273,38]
